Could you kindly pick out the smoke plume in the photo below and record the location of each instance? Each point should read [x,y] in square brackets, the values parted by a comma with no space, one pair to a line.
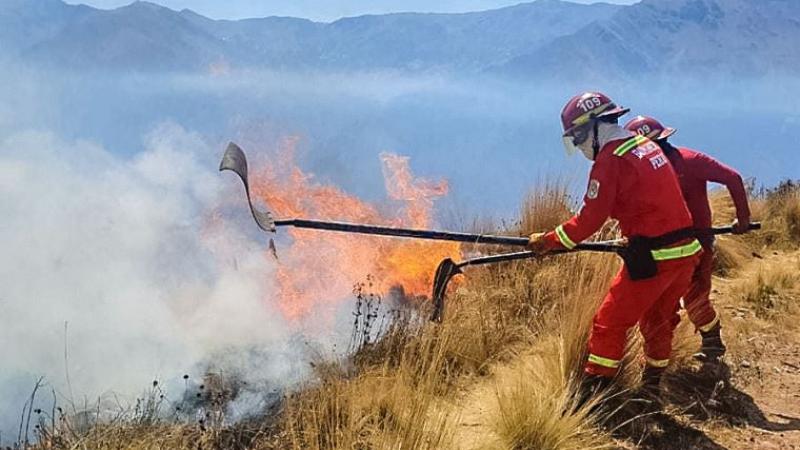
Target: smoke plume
[112,275]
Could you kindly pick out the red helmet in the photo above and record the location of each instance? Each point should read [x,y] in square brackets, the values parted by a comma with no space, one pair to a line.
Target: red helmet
[582,108]
[650,128]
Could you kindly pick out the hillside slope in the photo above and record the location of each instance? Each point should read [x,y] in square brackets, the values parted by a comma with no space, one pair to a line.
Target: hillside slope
[501,371]
[761,403]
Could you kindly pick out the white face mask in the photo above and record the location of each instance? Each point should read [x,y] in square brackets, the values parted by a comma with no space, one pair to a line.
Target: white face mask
[606,132]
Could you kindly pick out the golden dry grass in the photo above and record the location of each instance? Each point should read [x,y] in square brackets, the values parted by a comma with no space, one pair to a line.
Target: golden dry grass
[535,404]
[769,290]
[779,211]
[731,252]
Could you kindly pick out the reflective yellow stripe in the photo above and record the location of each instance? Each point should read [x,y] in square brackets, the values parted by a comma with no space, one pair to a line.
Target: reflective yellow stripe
[562,236]
[605,362]
[630,145]
[660,363]
[709,325]
[677,252]
[582,119]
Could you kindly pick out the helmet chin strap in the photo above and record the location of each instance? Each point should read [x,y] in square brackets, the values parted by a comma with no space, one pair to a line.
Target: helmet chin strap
[590,151]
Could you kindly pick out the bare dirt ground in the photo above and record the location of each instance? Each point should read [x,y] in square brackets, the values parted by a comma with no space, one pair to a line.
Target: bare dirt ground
[750,402]
[761,408]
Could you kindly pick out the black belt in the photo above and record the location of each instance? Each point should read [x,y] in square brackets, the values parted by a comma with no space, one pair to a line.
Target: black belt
[667,239]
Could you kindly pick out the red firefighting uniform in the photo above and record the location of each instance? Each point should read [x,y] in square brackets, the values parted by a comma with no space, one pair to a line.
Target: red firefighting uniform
[632,181]
[694,171]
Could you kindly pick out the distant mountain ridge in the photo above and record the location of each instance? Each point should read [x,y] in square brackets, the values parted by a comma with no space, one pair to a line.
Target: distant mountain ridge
[701,37]
[146,36]
[536,39]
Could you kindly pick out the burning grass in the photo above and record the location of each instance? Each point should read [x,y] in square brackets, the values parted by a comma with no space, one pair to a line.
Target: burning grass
[322,268]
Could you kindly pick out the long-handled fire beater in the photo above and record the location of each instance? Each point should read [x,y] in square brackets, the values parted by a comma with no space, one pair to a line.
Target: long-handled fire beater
[235,160]
[448,268]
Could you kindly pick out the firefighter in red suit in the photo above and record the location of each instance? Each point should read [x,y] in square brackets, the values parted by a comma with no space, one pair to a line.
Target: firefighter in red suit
[632,181]
[695,170]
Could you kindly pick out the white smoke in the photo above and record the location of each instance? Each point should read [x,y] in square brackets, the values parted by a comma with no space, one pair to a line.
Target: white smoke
[124,252]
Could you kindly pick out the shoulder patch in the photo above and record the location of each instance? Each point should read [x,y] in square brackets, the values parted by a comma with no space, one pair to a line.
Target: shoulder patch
[593,190]
[645,149]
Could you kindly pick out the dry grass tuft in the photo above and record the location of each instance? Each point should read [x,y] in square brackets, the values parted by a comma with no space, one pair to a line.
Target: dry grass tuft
[377,409]
[769,289]
[722,206]
[536,404]
[779,209]
[730,254]
[388,399]
[546,206]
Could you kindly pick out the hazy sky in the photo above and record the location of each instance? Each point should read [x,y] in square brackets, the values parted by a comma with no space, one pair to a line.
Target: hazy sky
[319,9]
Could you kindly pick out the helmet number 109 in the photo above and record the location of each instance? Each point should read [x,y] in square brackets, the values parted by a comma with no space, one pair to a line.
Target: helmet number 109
[589,104]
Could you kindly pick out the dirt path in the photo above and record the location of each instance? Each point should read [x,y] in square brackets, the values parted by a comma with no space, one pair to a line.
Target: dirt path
[758,408]
[473,432]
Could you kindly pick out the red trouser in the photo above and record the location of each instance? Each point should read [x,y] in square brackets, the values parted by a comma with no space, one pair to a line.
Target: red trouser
[652,303]
[696,301]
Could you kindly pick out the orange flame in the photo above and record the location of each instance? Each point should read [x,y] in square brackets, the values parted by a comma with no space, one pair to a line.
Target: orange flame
[322,266]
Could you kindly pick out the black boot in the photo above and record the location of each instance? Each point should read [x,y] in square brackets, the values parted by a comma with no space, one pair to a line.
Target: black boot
[592,386]
[650,392]
[651,378]
[712,348]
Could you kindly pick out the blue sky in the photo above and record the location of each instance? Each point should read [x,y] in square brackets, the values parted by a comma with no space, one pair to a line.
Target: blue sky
[319,9]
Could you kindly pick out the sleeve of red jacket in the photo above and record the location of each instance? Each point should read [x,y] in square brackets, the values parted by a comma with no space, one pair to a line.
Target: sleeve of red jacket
[713,170]
[598,201]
